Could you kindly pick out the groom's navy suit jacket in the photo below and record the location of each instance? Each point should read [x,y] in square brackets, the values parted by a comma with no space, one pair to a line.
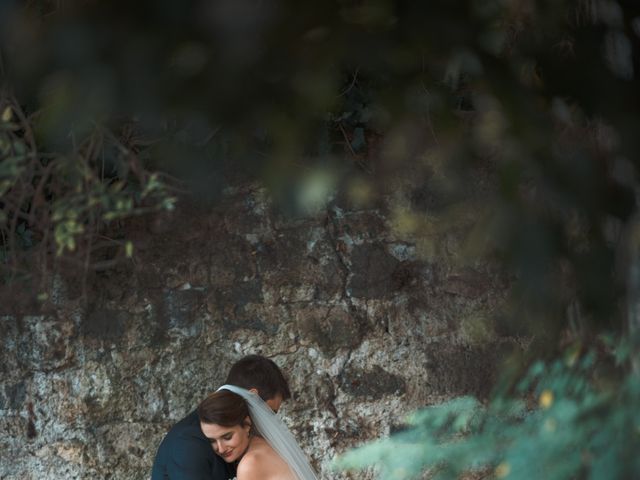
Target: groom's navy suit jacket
[186,454]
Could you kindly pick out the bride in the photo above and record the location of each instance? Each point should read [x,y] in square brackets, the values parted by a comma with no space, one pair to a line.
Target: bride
[242,428]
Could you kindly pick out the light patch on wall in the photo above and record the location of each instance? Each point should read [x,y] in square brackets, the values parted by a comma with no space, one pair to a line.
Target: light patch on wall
[316,190]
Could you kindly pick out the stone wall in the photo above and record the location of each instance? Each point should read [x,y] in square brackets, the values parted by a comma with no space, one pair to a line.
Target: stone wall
[366,329]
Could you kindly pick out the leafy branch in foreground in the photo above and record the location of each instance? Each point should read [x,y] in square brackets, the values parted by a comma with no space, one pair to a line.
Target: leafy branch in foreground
[63,207]
[571,418]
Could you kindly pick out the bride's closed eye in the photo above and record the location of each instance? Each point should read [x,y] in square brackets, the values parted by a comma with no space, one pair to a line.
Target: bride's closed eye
[226,438]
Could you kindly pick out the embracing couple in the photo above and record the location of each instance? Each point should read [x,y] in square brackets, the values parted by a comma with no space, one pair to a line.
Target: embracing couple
[235,432]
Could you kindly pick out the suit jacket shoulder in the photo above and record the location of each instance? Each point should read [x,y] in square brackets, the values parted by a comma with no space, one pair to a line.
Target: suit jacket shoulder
[186,454]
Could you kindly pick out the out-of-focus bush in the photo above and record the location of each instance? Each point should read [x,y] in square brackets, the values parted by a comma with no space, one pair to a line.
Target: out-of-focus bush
[576,417]
[513,122]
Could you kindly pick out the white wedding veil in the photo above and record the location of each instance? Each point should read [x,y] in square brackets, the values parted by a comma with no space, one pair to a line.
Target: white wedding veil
[277,435]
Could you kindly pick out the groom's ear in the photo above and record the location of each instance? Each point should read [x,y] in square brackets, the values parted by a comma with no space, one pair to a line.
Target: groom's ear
[254,390]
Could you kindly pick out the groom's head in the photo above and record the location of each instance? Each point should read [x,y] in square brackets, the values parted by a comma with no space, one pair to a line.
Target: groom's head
[261,375]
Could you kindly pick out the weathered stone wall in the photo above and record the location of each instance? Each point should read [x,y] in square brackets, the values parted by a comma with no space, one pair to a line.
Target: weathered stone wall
[366,330]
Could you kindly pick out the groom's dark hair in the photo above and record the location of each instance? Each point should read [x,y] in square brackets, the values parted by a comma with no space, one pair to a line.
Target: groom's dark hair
[256,371]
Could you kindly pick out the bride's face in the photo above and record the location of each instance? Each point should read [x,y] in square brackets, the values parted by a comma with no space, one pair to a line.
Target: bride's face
[228,442]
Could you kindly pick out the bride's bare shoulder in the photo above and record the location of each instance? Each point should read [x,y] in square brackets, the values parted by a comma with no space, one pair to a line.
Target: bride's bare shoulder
[261,463]
[254,463]
[251,466]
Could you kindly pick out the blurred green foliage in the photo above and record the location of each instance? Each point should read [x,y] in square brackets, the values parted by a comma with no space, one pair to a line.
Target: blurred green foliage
[575,417]
[513,122]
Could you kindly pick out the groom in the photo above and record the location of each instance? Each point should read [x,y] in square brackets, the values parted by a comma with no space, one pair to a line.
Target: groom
[186,454]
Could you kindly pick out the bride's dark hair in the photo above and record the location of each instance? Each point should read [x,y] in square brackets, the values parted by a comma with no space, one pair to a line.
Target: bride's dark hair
[223,408]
